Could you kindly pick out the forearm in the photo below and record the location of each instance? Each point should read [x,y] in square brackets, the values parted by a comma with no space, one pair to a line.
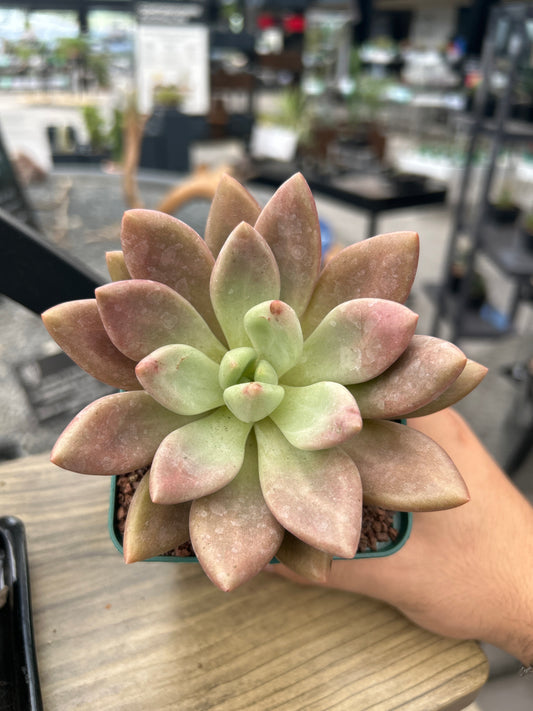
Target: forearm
[499,534]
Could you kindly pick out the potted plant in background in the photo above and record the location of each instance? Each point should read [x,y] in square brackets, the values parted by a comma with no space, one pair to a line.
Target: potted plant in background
[261,392]
[504,210]
[526,230]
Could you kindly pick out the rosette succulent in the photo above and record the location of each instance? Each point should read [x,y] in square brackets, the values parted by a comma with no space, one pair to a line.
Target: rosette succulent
[261,388]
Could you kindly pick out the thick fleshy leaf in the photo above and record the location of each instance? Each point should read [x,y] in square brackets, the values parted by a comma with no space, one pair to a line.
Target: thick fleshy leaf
[404,470]
[235,364]
[198,459]
[303,559]
[233,533]
[141,315]
[469,378]
[382,267]
[314,495]
[181,378]
[231,205]
[77,327]
[317,416]
[115,434]
[265,373]
[160,247]
[251,402]
[153,529]
[289,223]
[427,367]
[116,266]
[275,333]
[355,342]
[244,275]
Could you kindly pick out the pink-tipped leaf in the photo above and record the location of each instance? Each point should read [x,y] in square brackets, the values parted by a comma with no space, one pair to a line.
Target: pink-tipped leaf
[303,559]
[275,333]
[182,379]
[198,459]
[427,367]
[233,533]
[77,327]
[244,275]
[253,401]
[116,266]
[469,378]
[115,434]
[404,470]
[289,223]
[355,342]
[314,495]
[231,205]
[382,267]
[160,247]
[141,315]
[153,529]
[317,416]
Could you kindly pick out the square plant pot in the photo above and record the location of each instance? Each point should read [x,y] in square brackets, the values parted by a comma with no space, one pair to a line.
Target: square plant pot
[402,522]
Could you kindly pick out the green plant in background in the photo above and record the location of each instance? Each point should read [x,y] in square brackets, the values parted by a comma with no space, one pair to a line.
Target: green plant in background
[168,96]
[260,388]
[116,134]
[96,129]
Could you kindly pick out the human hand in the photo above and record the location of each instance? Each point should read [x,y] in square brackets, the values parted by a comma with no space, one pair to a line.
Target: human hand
[465,572]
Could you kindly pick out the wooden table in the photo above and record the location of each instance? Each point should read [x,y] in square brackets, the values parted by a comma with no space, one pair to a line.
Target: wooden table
[161,636]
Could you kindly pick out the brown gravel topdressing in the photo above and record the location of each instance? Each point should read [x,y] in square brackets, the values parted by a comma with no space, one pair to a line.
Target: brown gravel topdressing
[377,525]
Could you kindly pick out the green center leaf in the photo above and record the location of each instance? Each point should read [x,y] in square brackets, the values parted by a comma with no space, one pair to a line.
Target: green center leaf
[251,402]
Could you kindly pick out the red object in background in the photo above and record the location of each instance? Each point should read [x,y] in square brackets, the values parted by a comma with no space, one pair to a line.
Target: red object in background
[265,20]
[294,24]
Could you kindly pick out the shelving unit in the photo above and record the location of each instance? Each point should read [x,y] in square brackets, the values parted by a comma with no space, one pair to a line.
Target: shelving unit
[507,51]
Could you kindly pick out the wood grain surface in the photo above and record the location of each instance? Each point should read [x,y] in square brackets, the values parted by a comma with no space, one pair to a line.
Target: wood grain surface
[161,636]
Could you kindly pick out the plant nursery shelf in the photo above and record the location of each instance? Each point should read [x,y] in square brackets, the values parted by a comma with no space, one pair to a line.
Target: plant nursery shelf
[474,323]
[161,636]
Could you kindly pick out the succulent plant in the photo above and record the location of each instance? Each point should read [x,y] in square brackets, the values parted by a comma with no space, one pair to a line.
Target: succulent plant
[259,386]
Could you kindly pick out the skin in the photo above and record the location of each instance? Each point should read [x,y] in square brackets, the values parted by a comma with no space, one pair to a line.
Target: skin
[466,572]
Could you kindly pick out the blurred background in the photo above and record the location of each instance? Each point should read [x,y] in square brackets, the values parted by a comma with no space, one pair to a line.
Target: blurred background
[401,114]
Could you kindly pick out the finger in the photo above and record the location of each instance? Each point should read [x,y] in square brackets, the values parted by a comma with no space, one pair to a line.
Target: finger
[284,572]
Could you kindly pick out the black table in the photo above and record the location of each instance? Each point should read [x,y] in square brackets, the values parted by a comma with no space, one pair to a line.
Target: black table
[373,193]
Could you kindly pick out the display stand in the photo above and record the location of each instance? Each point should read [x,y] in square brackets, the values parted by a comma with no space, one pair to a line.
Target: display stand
[506,51]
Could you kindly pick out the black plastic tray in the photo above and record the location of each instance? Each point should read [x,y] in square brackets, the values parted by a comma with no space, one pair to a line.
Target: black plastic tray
[19,678]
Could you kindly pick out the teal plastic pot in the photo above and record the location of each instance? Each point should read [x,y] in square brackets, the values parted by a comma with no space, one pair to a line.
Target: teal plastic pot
[402,522]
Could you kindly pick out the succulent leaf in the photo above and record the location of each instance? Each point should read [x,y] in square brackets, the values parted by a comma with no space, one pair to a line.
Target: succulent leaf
[275,332]
[181,378]
[199,459]
[265,373]
[161,248]
[77,327]
[116,266]
[235,364]
[289,223]
[152,529]
[231,205]
[253,401]
[355,342]
[314,495]
[427,367]
[141,315]
[304,559]
[233,533]
[115,434]
[244,274]
[317,416]
[404,470]
[382,267]
[469,378]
